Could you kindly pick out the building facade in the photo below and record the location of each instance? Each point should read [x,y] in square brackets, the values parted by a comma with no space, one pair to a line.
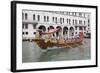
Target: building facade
[70,23]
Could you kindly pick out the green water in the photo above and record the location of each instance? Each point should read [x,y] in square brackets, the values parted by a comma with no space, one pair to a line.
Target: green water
[33,53]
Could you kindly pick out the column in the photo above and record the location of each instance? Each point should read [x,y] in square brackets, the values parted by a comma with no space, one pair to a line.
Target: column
[68,33]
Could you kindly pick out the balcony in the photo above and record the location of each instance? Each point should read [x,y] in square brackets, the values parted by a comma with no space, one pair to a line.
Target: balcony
[29,21]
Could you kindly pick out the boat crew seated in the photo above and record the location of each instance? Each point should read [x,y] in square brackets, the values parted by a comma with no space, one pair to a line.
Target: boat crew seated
[65,37]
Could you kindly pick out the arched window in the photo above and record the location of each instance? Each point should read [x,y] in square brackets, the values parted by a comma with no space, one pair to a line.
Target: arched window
[26,16]
[59,32]
[65,30]
[71,30]
[42,28]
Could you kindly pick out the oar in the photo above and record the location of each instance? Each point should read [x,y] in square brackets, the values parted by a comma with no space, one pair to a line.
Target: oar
[69,46]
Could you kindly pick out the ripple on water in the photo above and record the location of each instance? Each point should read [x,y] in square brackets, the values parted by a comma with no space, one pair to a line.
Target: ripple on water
[32,53]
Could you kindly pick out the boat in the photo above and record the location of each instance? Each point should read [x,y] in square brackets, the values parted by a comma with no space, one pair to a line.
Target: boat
[58,43]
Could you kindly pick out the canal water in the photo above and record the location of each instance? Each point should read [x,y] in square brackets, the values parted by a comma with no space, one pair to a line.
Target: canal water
[31,52]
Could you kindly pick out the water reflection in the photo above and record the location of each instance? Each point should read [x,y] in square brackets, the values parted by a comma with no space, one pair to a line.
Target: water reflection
[32,53]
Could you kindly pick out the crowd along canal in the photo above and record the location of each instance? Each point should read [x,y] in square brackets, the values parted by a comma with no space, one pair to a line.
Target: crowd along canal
[31,52]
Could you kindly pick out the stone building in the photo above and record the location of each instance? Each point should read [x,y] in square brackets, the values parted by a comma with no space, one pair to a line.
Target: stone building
[70,23]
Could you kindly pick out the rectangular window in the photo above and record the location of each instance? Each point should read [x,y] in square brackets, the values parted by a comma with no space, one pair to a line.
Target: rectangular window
[76,28]
[38,17]
[84,28]
[67,20]
[33,16]
[23,33]
[26,16]
[26,26]
[44,18]
[22,15]
[75,13]
[84,22]
[61,20]
[34,25]
[80,28]
[75,21]
[23,25]
[88,21]
[80,21]
[55,19]
[48,18]
[80,14]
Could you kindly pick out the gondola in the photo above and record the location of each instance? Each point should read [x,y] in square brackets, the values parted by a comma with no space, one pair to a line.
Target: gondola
[58,43]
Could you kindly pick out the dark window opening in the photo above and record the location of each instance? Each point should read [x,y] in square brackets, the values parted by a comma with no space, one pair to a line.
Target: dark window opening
[80,21]
[84,28]
[56,19]
[23,33]
[80,28]
[26,26]
[23,25]
[38,17]
[69,21]
[47,18]
[84,22]
[26,16]
[33,16]
[34,26]
[34,32]
[44,18]
[80,14]
[63,20]
[22,15]
[26,33]
[75,28]
[53,19]
[75,21]
[88,21]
